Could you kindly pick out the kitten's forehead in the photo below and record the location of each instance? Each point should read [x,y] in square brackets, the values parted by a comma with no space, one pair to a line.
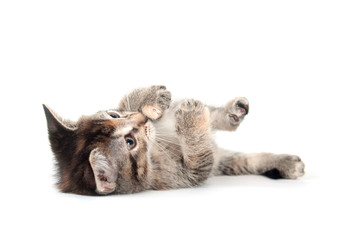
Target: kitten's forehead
[105,114]
[122,131]
[122,112]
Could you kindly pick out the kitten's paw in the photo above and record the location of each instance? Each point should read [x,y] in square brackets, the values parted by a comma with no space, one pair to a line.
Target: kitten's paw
[159,100]
[192,115]
[152,112]
[290,166]
[237,109]
[106,187]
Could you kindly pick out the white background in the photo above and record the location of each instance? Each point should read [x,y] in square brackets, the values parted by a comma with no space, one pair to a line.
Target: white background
[290,58]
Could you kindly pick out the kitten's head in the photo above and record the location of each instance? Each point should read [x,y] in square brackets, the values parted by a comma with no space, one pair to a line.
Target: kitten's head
[102,153]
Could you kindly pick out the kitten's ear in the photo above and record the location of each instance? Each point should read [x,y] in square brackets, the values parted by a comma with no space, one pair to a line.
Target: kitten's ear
[104,170]
[60,134]
[55,123]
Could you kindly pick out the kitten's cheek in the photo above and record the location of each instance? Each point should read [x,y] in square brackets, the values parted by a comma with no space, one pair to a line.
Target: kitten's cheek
[149,130]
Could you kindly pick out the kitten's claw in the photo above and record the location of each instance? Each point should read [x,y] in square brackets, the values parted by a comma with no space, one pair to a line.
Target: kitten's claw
[236,110]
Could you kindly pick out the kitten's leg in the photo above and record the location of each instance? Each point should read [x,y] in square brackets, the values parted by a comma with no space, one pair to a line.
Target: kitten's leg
[229,117]
[151,101]
[193,129]
[268,164]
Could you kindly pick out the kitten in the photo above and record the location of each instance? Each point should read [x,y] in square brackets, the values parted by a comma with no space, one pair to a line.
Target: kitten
[149,142]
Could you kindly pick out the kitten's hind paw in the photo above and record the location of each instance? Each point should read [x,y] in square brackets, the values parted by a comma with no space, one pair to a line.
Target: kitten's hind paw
[288,166]
[237,109]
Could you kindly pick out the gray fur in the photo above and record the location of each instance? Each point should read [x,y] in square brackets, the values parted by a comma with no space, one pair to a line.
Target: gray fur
[184,153]
[174,150]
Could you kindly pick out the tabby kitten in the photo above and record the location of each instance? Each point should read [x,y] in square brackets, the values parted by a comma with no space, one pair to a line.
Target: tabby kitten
[149,142]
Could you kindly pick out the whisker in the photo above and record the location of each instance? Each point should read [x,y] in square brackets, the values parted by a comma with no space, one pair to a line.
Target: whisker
[174,150]
[162,129]
[172,139]
[164,133]
[165,136]
[170,147]
[168,140]
[162,150]
[167,143]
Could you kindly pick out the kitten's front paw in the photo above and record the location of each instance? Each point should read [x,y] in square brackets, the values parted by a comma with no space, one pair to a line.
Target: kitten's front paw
[192,115]
[237,109]
[159,100]
[106,187]
[290,166]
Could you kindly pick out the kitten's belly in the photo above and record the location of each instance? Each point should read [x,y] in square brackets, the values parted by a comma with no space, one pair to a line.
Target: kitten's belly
[166,124]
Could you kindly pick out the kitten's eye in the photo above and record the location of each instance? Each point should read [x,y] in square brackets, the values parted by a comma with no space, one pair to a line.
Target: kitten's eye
[130,142]
[113,114]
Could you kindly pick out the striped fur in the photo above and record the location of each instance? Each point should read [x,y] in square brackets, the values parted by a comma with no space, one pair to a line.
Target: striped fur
[122,151]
